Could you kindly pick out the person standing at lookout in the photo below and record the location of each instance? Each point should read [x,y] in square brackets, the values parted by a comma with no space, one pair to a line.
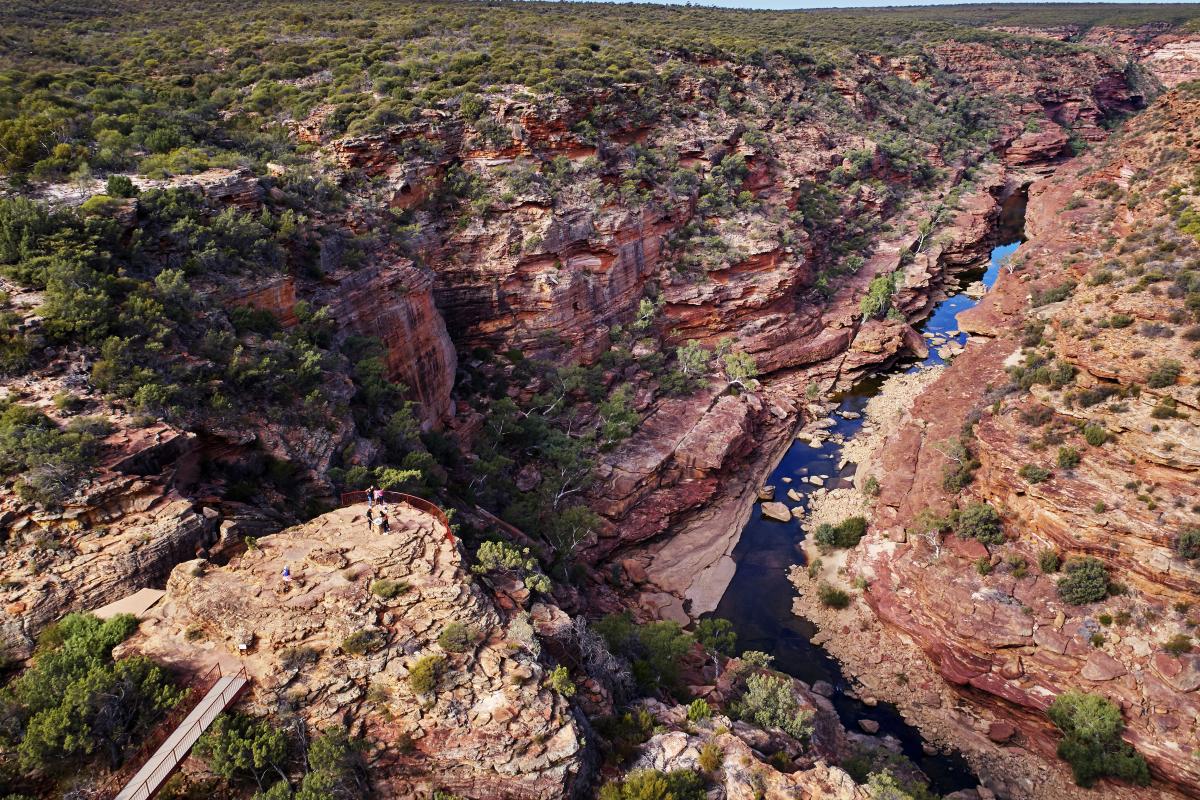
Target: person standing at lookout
[370,519]
[371,497]
[385,524]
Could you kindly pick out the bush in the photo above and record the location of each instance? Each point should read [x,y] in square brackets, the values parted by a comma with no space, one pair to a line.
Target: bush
[388,588]
[1094,434]
[457,637]
[769,702]
[120,186]
[649,784]
[1048,561]
[832,597]
[50,463]
[980,521]
[423,675]
[1165,373]
[624,734]
[711,757]
[1092,744]
[846,533]
[1054,294]
[238,746]
[699,710]
[1086,581]
[654,649]
[363,641]
[1034,473]
[1068,457]
[1166,408]
[560,681]
[1187,544]
[1178,644]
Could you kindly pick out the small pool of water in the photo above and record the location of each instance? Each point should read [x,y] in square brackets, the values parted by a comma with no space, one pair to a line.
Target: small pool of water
[759,599]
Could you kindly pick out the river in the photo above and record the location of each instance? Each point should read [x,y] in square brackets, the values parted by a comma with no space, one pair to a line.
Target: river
[759,598]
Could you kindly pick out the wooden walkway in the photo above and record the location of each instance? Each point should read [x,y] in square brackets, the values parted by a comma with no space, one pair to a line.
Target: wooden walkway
[159,767]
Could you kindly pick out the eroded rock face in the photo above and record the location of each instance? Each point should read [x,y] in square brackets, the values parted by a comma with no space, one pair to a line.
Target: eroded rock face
[392,301]
[491,728]
[1008,638]
[126,529]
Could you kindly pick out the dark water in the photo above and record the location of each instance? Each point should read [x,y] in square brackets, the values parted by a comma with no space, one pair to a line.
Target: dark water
[759,599]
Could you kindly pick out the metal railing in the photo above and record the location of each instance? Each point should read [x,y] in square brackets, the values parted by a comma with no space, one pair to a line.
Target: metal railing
[419,503]
[197,686]
[210,708]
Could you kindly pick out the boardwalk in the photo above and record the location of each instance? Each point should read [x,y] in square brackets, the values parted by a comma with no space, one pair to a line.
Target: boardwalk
[159,767]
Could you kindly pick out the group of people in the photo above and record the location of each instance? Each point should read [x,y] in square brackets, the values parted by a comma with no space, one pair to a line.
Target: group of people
[374,498]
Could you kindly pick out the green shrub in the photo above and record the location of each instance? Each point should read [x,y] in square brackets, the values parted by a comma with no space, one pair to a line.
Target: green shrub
[649,784]
[1092,744]
[74,701]
[654,649]
[49,462]
[1187,544]
[879,295]
[239,746]
[980,521]
[1166,408]
[1094,434]
[1086,581]
[699,710]
[983,565]
[846,533]
[1048,561]
[769,702]
[711,757]
[120,186]
[623,735]
[424,674]
[831,596]
[1034,473]
[1054,294]
[1165,373]
[363,641]
[457,637]
[388,588]
[1178,644]
[1068,457]
[560,681]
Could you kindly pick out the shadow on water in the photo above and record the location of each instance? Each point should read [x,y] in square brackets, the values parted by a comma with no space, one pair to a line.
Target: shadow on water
[759,599]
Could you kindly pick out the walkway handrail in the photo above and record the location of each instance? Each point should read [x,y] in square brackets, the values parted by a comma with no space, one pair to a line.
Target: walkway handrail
[216,705]
[419,503]
[164,727]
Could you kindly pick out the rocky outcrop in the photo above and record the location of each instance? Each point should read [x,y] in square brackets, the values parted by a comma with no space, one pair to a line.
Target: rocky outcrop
[341,649]
[126,529]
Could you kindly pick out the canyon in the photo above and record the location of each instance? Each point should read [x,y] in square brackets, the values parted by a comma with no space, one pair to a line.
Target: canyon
[511,255]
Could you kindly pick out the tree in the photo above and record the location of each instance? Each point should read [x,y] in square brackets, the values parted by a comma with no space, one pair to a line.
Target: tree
[238,746]
[617,417]
[717,634]
[769,702]
[738,367]
[75,700]
[1091,743]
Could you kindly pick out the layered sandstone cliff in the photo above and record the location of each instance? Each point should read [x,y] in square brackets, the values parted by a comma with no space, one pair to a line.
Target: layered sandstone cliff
[1100,287]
